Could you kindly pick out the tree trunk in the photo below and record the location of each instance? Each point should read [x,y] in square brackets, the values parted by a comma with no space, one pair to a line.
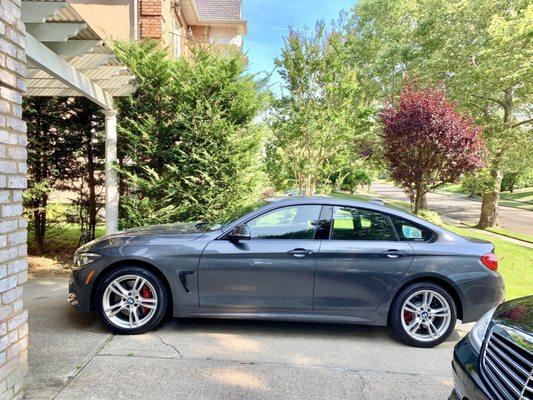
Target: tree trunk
[419,202]
[39,228]
[489,206]
[423,201]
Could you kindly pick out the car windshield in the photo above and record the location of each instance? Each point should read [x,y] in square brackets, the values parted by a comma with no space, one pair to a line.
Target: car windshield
[230,217]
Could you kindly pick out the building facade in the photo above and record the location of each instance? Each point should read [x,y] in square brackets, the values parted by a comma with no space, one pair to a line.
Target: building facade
[175,24]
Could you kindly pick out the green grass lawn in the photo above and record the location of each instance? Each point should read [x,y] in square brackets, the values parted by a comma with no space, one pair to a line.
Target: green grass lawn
[505,232]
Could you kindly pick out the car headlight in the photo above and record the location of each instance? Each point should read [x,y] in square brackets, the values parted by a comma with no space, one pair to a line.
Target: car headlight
[478,332]
[82,259]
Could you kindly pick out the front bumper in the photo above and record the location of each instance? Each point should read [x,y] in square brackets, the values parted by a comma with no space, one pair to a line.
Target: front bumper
[468,384]
[80,289]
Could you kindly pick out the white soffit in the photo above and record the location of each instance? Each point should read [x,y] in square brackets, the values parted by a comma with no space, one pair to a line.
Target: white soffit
[190,13]
[67,58]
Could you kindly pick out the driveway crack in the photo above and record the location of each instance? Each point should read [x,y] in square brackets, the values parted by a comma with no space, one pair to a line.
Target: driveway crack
[178,353]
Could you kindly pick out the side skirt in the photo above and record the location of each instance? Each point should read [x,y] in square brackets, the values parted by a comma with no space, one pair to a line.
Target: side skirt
[363,317]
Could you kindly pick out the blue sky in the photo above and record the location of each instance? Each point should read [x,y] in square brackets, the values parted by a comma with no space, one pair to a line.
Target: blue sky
[268,22]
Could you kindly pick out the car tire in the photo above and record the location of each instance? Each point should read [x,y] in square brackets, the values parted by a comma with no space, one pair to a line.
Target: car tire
[129,310]
[435,323]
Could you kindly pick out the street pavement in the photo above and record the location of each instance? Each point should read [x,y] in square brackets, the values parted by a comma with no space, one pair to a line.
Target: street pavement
[72,356]
[457,208]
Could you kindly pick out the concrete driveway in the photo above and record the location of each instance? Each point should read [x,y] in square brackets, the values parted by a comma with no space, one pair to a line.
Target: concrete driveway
[457,208]
[72,357]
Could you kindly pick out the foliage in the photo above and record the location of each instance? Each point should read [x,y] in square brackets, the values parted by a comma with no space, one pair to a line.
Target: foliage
[191,146]
[480,49]
[427,142]
[51,158]
[65,152]
[86,121]
[355,177]
[316,122]
[431,216]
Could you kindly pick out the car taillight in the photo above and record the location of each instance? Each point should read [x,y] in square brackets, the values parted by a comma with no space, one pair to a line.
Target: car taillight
[490,261]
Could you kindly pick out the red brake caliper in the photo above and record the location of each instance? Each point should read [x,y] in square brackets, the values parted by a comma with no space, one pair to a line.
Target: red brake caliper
[407,316]
[147,294]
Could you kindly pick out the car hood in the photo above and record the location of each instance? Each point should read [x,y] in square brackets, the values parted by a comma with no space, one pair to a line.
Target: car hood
[180,228]
[182,231]
[516,313]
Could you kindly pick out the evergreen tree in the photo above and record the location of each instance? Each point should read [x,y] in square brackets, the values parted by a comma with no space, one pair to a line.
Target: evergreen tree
[190,146]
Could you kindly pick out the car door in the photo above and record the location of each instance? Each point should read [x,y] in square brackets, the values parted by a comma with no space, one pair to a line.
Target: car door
[275,269]
[361,262]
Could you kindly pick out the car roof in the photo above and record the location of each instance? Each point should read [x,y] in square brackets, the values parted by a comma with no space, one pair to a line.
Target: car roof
[337,201]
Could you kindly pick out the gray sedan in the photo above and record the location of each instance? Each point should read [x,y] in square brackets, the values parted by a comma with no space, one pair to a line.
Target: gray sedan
[298,259]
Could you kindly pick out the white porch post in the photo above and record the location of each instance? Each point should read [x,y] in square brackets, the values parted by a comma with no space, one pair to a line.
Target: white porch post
[111,178]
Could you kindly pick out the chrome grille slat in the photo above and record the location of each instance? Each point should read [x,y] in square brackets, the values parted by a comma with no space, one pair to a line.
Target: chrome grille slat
[507,347]
[501,382]
[506,366]
[501,354]
[510,373]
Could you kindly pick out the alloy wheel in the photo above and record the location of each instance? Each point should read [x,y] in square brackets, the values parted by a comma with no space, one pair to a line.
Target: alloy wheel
[426,315]
[129,301]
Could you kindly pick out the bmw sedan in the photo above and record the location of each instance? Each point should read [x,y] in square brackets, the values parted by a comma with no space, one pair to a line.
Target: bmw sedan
[297,259]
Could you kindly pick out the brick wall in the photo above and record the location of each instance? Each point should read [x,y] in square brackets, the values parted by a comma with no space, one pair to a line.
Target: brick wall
[13,261]
[151,18]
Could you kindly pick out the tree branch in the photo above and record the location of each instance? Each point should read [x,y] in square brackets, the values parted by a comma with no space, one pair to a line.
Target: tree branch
[527,121]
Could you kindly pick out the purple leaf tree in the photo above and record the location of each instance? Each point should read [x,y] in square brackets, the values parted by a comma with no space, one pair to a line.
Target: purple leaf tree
[428,142]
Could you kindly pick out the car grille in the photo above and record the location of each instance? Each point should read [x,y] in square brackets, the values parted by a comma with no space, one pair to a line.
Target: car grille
[507,365]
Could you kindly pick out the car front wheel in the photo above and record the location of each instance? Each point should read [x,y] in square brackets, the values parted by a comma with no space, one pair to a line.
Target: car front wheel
[423,315]
[131,300]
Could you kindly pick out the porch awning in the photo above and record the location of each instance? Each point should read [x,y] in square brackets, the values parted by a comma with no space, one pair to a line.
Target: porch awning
[67,58]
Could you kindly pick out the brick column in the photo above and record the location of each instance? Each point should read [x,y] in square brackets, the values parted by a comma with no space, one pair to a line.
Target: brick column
[13,260]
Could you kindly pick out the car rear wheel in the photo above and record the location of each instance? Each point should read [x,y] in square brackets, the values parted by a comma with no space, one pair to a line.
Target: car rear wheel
[131,300]
[423,315]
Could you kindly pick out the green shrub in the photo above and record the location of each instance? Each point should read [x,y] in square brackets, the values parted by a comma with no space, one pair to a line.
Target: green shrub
[431,216]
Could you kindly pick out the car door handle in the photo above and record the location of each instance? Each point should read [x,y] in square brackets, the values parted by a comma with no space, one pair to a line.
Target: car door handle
[300,252]
[393,253]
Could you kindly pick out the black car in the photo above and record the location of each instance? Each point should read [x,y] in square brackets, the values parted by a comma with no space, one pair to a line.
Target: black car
[495,360]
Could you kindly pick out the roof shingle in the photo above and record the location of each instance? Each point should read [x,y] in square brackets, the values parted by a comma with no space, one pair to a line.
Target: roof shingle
[218,9]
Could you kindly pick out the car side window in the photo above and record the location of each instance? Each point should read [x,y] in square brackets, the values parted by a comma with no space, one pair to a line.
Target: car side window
[295,222]
[351,223]
[410,232]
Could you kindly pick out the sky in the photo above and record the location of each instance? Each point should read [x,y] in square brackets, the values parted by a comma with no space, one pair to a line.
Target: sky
[268,22]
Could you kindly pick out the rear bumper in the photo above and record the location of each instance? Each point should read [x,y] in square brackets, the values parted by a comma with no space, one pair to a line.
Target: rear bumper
[468,384]
[480,298]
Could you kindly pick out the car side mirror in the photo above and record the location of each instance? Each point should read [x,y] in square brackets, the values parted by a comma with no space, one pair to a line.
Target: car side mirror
[240,232]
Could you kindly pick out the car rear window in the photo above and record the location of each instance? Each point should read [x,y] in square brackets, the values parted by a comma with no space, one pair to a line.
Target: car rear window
[410,232]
